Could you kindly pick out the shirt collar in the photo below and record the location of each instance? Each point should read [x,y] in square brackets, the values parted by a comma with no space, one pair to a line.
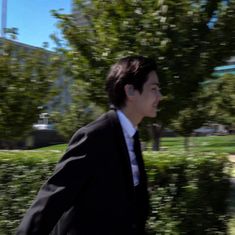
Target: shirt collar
[126,124]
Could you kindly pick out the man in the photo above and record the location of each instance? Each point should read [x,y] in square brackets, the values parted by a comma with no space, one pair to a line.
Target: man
[99,186]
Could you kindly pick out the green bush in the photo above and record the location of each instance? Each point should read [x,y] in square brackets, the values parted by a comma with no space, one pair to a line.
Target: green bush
[188,193]
[21,175]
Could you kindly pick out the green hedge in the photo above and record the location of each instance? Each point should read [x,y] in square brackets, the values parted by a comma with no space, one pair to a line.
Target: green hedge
[21,175]
[189,194]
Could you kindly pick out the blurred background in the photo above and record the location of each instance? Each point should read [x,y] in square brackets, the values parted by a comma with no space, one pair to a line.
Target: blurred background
[54,57]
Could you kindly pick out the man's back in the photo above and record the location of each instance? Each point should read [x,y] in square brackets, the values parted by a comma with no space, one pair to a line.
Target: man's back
[92,188]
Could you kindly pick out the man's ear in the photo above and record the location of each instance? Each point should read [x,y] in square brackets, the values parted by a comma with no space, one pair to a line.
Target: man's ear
[129,90]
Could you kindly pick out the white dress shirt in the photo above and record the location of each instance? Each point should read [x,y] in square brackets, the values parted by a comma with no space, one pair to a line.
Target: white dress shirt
[129,131]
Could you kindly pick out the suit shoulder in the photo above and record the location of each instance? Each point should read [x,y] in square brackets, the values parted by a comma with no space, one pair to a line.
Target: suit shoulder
[101,125]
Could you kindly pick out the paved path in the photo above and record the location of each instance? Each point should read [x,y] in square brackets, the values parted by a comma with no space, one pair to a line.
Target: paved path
[232,158]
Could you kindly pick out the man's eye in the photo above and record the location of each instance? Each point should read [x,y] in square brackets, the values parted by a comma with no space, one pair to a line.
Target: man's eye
[156,89]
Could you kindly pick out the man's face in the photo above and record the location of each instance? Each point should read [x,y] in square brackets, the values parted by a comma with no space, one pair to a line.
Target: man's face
[147,102]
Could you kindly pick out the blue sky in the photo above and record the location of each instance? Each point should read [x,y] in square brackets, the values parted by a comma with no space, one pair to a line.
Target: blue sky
[33,19]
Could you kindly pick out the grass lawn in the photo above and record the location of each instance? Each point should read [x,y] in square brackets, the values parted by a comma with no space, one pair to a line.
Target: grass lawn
[58,147]
[221,144]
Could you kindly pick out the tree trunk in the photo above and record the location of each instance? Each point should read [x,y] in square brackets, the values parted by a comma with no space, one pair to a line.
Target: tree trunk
[186,143]
[156,133]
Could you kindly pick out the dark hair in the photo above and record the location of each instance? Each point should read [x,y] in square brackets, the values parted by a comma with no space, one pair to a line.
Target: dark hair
[132,70]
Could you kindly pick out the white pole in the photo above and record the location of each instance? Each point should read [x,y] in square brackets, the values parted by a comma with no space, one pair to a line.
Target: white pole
[4,17]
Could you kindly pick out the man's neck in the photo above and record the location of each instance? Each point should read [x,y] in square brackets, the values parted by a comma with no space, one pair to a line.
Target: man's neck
[131,115]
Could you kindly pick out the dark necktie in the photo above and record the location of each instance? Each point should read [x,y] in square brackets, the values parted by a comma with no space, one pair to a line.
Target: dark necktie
[138,154]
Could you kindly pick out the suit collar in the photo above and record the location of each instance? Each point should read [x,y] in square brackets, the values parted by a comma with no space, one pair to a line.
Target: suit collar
[126,124]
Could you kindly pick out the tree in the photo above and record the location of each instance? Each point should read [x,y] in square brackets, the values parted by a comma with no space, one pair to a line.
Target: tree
[26,80]
[192,117]
[80,112]
[187,39]
[214,104]
[222,103]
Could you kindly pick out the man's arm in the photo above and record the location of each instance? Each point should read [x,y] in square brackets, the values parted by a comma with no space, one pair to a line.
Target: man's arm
[58,194]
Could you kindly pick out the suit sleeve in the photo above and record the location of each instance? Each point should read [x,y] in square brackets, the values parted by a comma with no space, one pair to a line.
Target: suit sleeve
[72,173]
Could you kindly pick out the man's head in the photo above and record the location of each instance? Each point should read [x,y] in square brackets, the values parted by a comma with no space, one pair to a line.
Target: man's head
[133,80]
[131,70]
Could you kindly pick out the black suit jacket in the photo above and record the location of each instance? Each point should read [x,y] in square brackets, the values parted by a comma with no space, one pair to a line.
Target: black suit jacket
[91,191]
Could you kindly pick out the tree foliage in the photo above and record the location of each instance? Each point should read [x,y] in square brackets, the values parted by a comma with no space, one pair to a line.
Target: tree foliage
[222,103]
[80,112]
[27,76]
[214,104]
[188,39]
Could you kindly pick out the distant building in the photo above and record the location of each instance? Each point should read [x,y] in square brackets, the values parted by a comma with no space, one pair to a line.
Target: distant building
[63,82]
[44,133]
